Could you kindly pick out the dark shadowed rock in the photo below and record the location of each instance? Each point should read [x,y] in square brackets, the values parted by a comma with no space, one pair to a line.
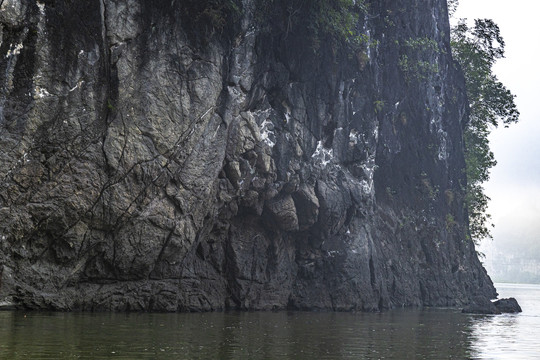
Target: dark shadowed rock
[509,305]
[164,156]
[307,206]
[481,305]
[283,211]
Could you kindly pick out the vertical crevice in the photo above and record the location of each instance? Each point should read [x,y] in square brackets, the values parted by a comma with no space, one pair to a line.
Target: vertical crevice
[372,272]
[110,97]
[108,105]
[230,274]
[106,70]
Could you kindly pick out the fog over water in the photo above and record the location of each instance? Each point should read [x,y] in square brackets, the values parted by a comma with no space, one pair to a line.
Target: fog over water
[515,182]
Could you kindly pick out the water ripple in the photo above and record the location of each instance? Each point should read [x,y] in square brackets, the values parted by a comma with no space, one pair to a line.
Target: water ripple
[400,334]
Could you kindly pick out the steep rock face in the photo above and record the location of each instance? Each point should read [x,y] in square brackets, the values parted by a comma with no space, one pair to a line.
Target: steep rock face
[148,162]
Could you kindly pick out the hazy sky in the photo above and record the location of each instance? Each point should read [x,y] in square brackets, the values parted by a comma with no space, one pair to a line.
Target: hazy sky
[515,182]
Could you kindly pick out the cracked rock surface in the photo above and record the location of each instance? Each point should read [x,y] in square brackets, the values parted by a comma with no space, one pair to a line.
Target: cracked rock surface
[146,164]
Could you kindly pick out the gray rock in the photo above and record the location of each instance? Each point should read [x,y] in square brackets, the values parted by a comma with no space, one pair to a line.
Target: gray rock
[151,161]
[509,305]
[307,206]
[283,211]
[481,305]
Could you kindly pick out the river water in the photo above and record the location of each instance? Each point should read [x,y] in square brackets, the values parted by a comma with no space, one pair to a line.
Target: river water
[397,334]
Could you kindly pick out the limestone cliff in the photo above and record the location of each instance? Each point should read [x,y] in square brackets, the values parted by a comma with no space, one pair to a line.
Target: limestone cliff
[152,160]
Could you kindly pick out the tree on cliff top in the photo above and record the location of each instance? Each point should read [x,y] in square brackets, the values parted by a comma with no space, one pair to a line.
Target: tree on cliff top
[490,103]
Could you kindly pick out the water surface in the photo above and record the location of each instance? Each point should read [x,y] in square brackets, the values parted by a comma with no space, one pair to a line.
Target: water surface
[510,336]
[398,334]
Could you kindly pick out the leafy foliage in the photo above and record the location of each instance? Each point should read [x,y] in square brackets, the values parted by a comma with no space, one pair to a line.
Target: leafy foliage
[477,49]
[416,61]
[338,18]
[335,20]
[332,21]
[209,17]
[452,6]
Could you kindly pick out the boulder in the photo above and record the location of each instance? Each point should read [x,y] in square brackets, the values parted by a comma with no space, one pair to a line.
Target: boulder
[481,305]
[509,305]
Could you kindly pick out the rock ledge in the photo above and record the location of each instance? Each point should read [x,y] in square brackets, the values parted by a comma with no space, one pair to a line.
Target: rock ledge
[484,306]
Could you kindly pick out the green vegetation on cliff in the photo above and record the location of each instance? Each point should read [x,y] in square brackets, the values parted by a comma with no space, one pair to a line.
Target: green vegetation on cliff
[333,21]
[490,102]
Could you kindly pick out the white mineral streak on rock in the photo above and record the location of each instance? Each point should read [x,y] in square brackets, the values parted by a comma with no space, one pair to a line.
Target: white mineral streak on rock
[267,135]
[287,112]
[41,93]
[369,170]
[14,50]
[353,137]
[287,117]
[443,151]
[436,126]
[41,7]
[368,51]
[76,86]
[323,156]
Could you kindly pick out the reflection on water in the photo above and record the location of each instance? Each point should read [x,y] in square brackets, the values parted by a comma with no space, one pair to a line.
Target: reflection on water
[399,334]
[392,335]
[510,336]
